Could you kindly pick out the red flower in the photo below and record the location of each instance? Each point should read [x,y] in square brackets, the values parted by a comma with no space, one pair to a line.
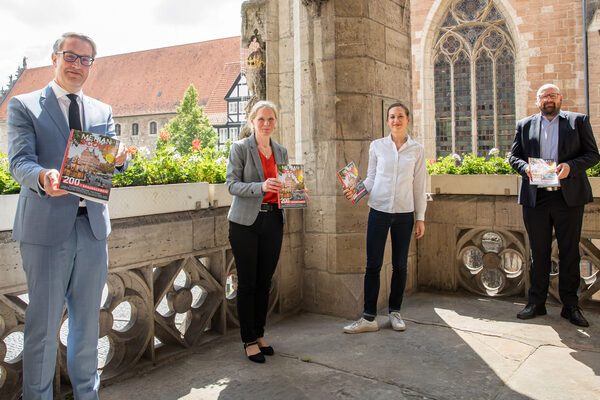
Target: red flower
[131,150]
[431,161]
[197,144]
[164,135]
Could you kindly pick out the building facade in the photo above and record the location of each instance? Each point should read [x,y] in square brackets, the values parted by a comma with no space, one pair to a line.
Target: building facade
[477,65]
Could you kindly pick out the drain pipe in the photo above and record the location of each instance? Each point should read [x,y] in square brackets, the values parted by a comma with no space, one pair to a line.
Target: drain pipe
[586,88]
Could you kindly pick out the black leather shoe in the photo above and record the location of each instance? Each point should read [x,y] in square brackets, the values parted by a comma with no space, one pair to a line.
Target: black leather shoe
[531,311]
[258,357]
[574,315]
[267,350]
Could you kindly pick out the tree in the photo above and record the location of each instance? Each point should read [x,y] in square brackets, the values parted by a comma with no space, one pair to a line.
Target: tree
[190,124]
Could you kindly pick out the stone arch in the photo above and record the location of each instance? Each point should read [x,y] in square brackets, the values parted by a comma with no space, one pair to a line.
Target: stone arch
[427,57]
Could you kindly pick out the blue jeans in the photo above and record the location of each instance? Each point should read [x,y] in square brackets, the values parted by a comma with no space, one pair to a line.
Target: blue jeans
[401,225]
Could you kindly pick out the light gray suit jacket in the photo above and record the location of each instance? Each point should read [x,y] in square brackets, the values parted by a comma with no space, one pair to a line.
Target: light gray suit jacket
[37,138]
[245,177]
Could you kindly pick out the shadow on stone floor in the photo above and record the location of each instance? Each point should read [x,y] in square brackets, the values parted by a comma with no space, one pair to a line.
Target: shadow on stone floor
[455,347]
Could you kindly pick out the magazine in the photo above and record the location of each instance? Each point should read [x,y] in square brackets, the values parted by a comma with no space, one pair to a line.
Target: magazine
[89,165]
[293,193]
[542,172]
[350,179]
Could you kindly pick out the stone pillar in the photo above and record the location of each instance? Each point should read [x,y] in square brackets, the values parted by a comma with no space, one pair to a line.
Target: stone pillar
[332,67]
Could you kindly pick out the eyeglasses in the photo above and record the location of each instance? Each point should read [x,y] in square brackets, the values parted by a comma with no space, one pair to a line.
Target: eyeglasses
[71,57]
[550,96]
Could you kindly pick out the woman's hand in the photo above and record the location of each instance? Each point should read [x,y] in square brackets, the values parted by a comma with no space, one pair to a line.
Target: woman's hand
[349,193]
[419,229]
[271,185]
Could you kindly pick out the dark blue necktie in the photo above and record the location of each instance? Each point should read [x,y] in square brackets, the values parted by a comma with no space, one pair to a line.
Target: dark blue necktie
[74,118]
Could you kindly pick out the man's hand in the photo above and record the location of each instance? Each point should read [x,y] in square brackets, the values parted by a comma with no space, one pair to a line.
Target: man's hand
[121,155]
[562,170]
[48,179]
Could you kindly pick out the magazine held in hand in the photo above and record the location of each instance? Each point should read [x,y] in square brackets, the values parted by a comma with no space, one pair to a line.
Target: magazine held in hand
[89,165]
[293,193]
[542,172]
[350,179]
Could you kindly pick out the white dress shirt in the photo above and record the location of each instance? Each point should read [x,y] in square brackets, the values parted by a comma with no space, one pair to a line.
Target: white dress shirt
[396,178]
[64,102]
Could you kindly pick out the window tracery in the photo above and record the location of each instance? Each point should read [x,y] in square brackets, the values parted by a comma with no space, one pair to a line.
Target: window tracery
[474,75]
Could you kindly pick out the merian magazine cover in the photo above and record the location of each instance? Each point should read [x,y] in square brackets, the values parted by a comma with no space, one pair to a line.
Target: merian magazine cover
[351,180]
[293,193]
[542,172]
[88,166]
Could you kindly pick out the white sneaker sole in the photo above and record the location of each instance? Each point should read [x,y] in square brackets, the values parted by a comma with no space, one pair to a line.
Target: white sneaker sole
[361,331]
[402,329]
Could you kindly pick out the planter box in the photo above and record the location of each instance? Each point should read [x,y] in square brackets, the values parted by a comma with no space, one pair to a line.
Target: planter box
[595,182]
[157,199]
[475,184]
[8,208]
[138,200]
[218,195]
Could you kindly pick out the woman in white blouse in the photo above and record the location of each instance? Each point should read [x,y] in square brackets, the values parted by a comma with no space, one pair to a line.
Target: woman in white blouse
[396,185]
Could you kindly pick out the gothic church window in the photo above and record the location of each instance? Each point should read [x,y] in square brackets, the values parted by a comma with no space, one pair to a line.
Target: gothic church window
[474,75]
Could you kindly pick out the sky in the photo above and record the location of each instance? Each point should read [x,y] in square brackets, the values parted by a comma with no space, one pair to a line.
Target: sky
[29,28]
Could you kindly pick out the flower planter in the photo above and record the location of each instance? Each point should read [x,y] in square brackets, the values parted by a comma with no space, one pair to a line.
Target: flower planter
[595,182]
[218,195]
[157,199]
[475,184]
[8,208]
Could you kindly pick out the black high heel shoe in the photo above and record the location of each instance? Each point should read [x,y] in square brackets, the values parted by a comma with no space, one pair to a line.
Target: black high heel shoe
[258,358]
[267,350]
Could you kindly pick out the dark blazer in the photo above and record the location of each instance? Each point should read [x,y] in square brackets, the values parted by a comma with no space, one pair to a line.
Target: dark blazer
[37,138]
[576,147]
[245,177]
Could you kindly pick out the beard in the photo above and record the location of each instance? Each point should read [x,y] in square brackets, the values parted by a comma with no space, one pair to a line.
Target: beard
[550,109]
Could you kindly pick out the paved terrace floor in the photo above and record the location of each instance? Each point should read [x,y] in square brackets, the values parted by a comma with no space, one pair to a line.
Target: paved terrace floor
[455,347]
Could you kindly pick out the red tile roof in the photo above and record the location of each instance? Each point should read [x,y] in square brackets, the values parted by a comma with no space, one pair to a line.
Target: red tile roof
[131,82]
[216,103]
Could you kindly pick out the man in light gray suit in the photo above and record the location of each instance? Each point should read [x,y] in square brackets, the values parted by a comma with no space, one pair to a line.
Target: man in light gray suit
[62,238]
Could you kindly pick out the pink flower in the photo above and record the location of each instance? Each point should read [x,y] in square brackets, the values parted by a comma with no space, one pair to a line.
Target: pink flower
[131,150]
[197,144]
[164,135]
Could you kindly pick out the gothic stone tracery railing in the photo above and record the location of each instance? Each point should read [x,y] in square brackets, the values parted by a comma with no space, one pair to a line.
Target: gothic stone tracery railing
[171,285]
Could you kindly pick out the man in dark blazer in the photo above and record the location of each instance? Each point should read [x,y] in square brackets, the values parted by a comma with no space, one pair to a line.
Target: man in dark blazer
[62,238]
[566,138]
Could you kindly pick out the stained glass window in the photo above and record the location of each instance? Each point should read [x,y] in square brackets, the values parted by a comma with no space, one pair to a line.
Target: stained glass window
[474,59]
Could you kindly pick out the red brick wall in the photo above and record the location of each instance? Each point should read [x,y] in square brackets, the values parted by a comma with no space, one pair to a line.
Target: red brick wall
[549,37]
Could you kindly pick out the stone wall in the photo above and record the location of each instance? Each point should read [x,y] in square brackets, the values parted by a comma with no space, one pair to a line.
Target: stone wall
[487,233]
[548,35]
[332,69]
[168,290]
[143,139]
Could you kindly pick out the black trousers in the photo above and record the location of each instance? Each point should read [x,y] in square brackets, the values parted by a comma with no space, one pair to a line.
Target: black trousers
[256,251]
[550,212]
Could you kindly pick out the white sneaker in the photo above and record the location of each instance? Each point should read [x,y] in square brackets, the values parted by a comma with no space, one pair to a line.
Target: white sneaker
[362,325]
[396,321]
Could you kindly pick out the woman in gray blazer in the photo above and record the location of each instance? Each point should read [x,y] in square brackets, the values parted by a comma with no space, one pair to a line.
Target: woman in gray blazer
[255,223]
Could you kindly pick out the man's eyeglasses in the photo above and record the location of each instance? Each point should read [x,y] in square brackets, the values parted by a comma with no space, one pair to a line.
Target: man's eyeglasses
[72,57]
[550,96]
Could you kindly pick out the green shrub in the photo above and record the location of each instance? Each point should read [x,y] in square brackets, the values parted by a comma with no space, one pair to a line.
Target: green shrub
[469,165]
[7,184]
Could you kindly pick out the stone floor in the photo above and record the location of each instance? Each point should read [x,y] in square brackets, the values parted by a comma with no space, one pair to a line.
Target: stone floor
[455,347]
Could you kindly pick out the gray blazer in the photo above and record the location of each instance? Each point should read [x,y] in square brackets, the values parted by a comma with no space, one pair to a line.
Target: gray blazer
[245,177]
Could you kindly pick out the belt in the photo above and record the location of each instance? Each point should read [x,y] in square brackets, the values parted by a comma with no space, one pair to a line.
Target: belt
[264,207]
[81,211]
[549,188]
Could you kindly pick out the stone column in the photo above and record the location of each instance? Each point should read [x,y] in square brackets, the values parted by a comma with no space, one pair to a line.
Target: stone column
[333,67]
